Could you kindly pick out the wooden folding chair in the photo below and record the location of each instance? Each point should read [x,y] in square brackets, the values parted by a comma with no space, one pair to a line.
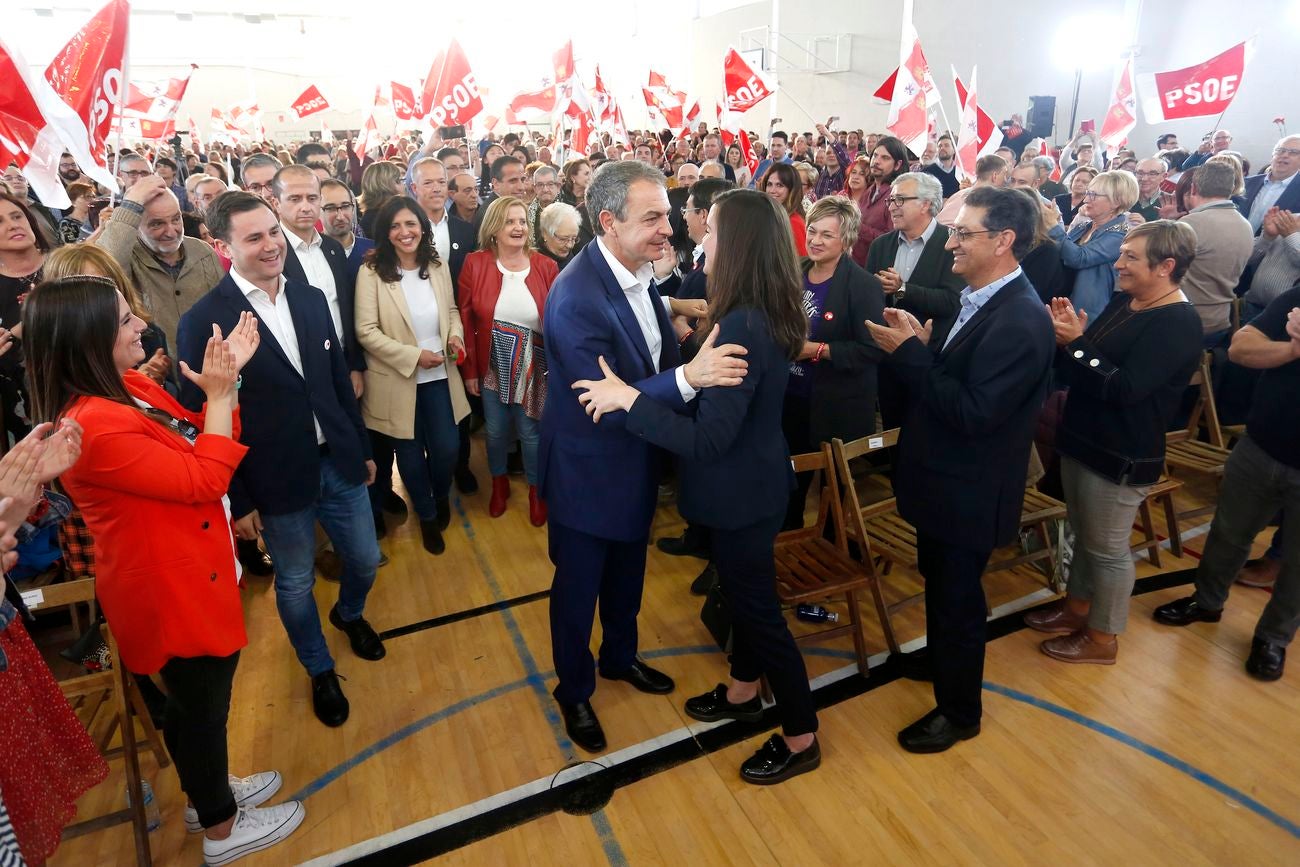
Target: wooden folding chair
[1185,451]
[811,569]
[109,703]
[1162,493]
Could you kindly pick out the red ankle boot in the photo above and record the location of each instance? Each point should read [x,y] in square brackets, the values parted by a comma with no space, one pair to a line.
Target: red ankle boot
[500,493]
[536,507]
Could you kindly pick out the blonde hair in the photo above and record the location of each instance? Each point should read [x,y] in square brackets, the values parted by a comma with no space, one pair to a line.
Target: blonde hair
[1120,187]
[72,260]
[842,208]
[494,220]
[377,184]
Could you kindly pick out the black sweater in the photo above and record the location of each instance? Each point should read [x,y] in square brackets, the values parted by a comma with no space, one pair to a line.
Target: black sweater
[1126,376]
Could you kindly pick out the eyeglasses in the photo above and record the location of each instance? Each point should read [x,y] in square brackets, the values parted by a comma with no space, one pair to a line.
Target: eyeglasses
[964,235]
[1290,152]
[1158,174]
[566,239]
[544,184]
[897,201]
[137,174]
[258,188]
[686,209]
[345,208]
[1093,195]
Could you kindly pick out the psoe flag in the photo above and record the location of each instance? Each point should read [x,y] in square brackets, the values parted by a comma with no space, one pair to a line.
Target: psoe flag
[1205,89]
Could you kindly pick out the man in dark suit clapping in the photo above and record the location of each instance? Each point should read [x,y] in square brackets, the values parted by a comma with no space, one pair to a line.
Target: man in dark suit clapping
[974,391]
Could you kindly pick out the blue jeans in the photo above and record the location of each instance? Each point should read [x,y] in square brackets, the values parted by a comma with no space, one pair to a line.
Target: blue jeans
[343,510]
[498,417]
[427,461]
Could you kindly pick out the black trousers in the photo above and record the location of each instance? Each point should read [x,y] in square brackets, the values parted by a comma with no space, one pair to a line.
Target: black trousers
[796,424]
[198,705]
[383,451]
[955,625]
[761,639]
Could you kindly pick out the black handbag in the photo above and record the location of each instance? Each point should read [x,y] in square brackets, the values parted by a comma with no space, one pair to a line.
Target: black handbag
[716,616]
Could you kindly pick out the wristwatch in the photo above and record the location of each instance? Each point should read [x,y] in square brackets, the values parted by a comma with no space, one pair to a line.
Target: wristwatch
[900,293]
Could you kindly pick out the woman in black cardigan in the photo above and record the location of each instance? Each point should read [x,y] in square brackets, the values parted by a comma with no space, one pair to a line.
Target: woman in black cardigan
[734,472]
[832,390]
[1126,375]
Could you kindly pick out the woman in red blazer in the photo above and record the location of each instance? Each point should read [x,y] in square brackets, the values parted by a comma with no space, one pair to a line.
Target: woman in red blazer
[151,484]
[503,289]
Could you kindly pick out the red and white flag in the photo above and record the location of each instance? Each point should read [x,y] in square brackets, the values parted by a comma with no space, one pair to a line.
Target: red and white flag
[618,128]
[968,138]
[532,101]
[326,137]
[247,118]
[156,100]
[451,94]
[369,137]
[571,100]
[729,127]
[990,136]
[309,102]
[405,104]
[907,109]
[87,74]
[1121,117]
[1205,89]
[743,85]
[602,104]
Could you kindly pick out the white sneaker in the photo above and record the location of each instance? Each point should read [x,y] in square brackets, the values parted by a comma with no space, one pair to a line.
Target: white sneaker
[255,829]
[252,791]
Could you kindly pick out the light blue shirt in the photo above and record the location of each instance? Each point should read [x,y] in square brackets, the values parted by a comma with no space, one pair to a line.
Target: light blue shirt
[973,299]
[1269,193]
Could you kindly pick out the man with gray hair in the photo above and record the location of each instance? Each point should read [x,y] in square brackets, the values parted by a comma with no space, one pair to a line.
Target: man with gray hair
[147,238]
[255,175]
[914,266]
[1224,242]
[546,186]
[599,481]
[1047,188]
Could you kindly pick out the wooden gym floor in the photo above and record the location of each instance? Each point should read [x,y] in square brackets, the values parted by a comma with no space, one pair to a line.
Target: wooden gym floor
[455,752]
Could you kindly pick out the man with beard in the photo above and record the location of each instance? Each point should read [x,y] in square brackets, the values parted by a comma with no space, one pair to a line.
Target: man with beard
[944,166]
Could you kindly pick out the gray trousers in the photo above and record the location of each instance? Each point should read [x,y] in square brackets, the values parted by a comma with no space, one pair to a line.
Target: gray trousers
[1102,515]
[1254,487]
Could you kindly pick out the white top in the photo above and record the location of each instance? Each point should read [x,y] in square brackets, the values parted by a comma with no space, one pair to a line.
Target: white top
[515,303]
[442,236]
[279,321]
[422,304]
[317,268]
[638,287]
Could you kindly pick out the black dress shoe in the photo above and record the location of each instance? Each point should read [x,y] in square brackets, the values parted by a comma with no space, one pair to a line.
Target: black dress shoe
[444,514]
[934,733]
[774,763]
[381,526]
[365,642]
[713,706]
[583,727]
[644,678]
[1266,661]
[917,665]
[1183,611]
[254,560]
[395,505]
[704,581]
[431,537]
[465,481]
[328,700]
[688,544]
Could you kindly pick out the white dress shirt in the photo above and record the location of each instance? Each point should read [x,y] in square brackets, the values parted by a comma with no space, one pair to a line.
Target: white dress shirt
[316,265]
[278,319]
[638,288]
[442,237]
[973,299]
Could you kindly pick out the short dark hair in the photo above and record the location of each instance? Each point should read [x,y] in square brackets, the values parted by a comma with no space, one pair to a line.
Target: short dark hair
[165,161]
[1005,209]
[447,152]
[333,182]
[704,190]
[309,150]
[225,206]
[499,166]
[1164,137]
[191,220]
[782,136]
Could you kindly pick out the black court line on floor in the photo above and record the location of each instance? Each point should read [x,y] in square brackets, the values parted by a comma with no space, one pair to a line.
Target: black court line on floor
[467,614]
[577,796]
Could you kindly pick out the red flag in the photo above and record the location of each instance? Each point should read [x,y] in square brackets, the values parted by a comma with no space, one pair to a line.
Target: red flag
[369,130]
[968,141]
[907,109]
[885,92]
[729,126]
[87,73]
[451,93]
[563,62]
[618,129]
[744,87]
[1197,91]
[990,137]
[601,101]
[657,80]
[535,100]
[156,100]
[1121,117]
[405,105]
[309,102]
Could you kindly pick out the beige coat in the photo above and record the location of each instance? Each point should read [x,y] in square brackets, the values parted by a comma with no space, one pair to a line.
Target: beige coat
[384,330]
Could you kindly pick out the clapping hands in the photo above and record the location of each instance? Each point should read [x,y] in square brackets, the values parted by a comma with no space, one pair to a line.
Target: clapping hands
[1068,324]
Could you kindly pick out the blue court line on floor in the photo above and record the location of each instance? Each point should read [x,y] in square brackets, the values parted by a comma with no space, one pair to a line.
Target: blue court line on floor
[1154,752]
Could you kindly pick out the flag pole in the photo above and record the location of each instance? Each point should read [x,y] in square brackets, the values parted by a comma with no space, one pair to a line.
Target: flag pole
[122,92]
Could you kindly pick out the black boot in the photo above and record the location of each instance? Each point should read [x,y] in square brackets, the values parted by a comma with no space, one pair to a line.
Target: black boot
[431,536]
[444,513]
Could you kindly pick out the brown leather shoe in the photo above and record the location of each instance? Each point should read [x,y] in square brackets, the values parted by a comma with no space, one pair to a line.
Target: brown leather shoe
[1261,573]
[1078,647]
[1055,618]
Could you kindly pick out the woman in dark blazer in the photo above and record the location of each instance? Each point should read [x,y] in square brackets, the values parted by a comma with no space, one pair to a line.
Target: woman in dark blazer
[735,476]
[832,388]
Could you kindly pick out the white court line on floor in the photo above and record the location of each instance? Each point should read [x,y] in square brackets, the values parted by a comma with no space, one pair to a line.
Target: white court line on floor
[519,793]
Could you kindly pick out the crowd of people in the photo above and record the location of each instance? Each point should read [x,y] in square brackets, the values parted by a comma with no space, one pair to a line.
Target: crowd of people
[238,344]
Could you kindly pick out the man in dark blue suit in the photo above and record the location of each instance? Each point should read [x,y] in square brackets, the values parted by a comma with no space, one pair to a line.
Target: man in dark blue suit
[1276,187]
[599,481]
[309,457]
[973,398]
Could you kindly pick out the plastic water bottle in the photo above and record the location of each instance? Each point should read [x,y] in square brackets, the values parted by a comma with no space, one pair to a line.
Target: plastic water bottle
[152,815]
[815,614]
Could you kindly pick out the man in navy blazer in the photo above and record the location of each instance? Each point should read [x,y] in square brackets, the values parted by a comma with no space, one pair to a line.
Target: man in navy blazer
[1278,184]
[973,400]
[599,481]
[309,456]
